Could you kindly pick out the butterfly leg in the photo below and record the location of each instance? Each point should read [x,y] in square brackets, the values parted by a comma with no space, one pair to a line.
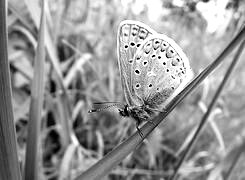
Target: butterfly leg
[138,129]
[152,122]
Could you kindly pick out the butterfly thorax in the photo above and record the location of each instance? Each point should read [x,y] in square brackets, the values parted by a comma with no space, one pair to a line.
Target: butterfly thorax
[139,113]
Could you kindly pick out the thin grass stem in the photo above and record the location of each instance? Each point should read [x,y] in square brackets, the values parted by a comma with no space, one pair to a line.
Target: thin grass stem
[234,162]
[206,115]
[9,166]
[37,95]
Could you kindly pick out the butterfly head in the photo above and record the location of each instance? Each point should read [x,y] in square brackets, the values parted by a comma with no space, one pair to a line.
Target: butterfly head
[139,114]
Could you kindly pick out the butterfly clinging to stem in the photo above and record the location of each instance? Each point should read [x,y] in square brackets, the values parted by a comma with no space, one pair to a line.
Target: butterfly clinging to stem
[153,70]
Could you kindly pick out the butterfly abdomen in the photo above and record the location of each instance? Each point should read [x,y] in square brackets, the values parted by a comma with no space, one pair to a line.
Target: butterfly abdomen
[141,113]
[158,98]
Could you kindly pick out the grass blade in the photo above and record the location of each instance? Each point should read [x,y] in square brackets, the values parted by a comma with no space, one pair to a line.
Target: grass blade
[9,166]
[223,169]
[37,93]
[233,162]
[34,10]
[206,115]
[52,53]
[113,158]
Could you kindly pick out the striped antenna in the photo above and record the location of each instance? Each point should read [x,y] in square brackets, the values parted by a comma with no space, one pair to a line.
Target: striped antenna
[115,104]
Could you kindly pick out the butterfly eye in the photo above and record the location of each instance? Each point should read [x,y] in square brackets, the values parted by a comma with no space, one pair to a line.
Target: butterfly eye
[170,52]
[164,63]
[126,46]
[150,85]
[164,45]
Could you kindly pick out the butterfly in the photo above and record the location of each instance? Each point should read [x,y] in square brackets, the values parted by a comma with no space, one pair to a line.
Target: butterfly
[153,70]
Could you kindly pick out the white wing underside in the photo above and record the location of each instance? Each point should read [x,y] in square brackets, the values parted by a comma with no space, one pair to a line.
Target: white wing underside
[153,68]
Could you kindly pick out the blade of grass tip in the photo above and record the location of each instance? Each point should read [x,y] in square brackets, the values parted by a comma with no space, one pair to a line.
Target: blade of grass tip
[65,104]
[206,115]
[9,167]
[37,93]
[33,8]
[102,167]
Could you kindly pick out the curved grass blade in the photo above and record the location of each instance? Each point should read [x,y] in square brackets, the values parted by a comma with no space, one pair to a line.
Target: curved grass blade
[9,167]
[37,95]
[101,168]
[206,115]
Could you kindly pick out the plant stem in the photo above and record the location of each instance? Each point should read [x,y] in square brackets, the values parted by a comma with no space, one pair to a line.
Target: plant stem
[9,166]
[206,115]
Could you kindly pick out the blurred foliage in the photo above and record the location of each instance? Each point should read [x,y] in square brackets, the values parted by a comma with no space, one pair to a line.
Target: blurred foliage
[82,35]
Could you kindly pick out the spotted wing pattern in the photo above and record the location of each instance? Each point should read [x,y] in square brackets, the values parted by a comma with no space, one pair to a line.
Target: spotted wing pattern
[130,36]
[160,70]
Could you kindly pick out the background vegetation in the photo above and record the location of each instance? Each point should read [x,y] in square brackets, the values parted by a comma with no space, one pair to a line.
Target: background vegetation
[81,49]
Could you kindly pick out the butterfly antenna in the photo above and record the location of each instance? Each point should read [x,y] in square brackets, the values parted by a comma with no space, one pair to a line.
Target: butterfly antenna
[106,107]
[107,103]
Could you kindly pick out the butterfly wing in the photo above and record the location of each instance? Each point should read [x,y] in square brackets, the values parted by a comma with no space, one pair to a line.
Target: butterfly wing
[160,71]
[130,36]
